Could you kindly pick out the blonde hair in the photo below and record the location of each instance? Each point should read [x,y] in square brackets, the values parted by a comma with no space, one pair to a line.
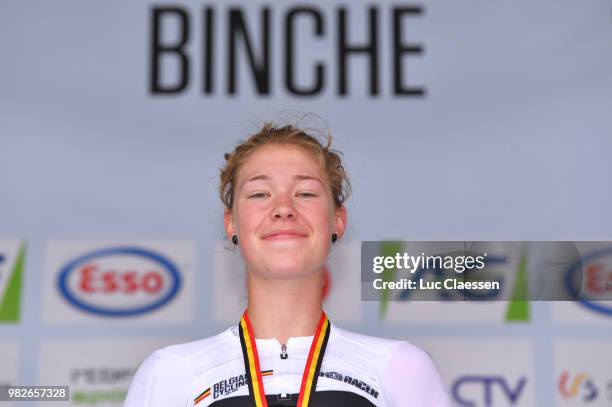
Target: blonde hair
[328,159]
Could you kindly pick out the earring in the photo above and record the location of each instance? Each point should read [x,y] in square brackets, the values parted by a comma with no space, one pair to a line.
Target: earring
[334,237]
[234,239]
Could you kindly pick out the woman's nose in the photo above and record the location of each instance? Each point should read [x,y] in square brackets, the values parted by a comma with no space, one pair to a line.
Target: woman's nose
[283,207]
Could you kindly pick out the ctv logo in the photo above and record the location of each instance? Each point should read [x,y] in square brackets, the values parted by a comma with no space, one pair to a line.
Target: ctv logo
[119,281]
[487,391]
[596,283]
[580,386]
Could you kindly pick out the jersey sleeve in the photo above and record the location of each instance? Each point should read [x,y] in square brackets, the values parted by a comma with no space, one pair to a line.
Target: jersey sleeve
[162,380]
[411,379]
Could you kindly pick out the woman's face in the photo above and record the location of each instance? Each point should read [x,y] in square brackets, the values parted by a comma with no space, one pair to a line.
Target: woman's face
[283,213]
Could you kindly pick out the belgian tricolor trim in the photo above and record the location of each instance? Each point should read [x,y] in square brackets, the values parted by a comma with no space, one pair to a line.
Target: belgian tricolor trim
[251,362]
[202,396]
[313,363]
[311,370]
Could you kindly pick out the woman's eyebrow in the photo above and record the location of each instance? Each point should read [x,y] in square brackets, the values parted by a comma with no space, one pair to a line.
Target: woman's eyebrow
[306,178]
[298,177]
[259,177]
[263,177]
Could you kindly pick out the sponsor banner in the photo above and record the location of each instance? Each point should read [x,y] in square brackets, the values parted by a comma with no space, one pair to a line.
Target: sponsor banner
[340,287]
[484,372]
[144,281]
[12,257]
[582,373]
[99,372]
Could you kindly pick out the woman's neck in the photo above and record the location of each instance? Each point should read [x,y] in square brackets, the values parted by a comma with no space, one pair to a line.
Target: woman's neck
[284,308]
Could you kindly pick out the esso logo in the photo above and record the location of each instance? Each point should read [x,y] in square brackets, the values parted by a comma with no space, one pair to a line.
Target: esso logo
[119,281]
[590,281]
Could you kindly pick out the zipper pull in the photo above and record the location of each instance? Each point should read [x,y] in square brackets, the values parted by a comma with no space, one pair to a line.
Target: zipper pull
[283,354]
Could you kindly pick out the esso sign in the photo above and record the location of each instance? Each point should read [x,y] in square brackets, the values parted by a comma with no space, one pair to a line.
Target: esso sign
[119,281]
[94,279]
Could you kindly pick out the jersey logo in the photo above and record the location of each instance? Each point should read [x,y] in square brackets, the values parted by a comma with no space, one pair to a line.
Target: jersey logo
[227,386]
[348,379]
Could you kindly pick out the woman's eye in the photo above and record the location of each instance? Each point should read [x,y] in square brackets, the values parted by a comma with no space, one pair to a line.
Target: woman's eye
[306,194]
[258,195]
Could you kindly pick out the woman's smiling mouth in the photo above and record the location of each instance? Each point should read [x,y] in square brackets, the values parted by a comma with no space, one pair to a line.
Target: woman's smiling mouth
[284,235]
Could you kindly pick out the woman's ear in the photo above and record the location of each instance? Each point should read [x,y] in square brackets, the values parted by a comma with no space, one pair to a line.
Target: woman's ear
[228,223]
[340,219]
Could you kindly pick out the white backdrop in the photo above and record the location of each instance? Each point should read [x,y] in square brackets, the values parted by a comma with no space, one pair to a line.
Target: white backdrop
[511,142]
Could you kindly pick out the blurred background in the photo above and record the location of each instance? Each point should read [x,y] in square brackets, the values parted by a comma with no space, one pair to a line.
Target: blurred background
[463,120]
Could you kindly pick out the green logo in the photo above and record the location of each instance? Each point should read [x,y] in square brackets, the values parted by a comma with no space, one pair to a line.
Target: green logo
[10,284]
[518,307]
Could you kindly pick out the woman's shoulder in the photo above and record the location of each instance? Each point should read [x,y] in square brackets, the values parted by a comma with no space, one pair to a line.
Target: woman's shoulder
[399,353]
[406,372]
[175,367]
[187,356]
[378,353]
[195,349]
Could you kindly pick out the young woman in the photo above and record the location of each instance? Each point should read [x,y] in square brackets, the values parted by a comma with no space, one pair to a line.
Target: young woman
[283,193]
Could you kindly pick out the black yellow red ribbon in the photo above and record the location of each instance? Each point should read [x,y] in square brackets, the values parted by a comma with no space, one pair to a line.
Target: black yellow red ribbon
[311,370]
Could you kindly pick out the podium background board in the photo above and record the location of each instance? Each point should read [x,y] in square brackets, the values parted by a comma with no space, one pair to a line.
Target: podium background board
[494,125]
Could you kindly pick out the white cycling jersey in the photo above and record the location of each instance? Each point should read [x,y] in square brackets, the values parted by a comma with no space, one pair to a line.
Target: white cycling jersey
[357,370]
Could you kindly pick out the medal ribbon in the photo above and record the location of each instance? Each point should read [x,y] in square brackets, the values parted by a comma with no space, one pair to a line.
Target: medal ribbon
[311,370]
